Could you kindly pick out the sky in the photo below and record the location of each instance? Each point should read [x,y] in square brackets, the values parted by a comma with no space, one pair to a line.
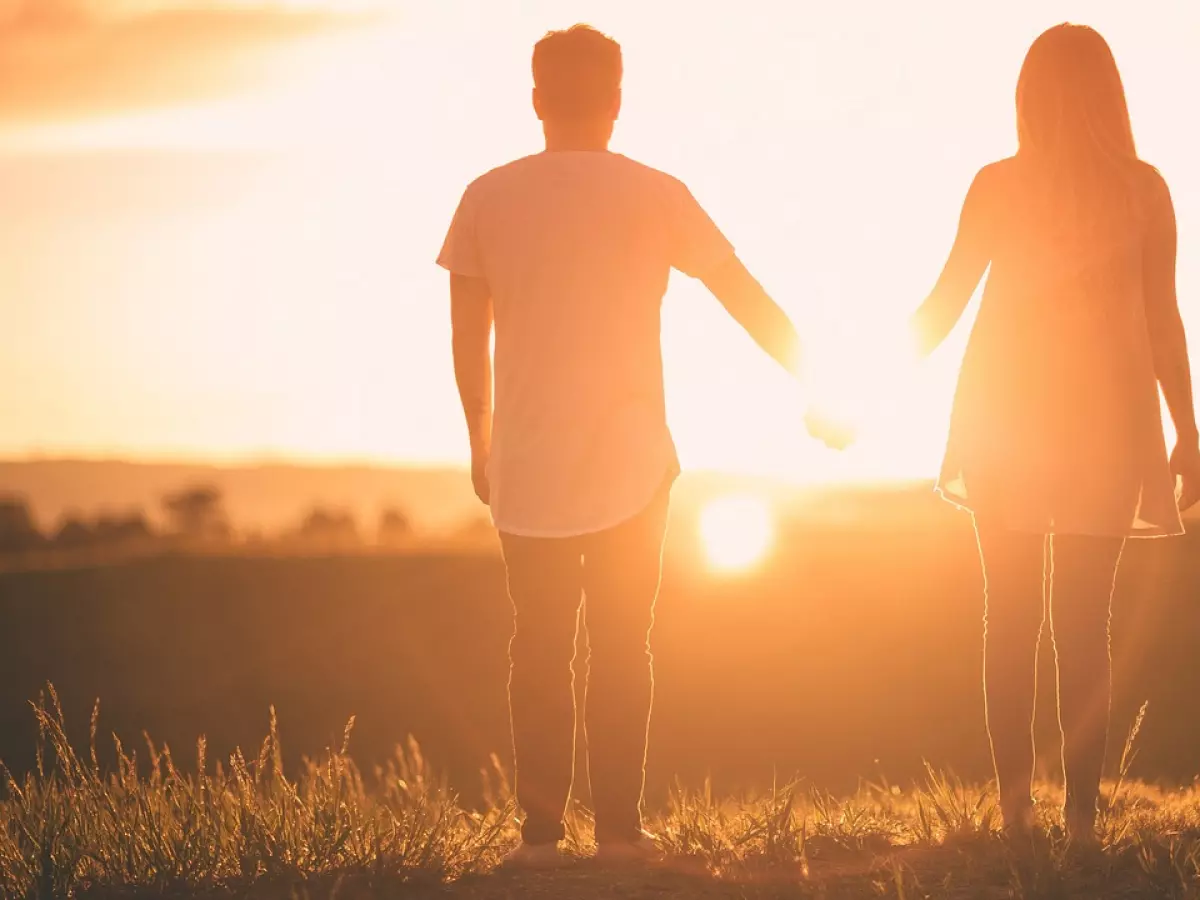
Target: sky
[218,219]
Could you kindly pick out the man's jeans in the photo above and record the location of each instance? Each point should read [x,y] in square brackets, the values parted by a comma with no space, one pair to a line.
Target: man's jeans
[618,572]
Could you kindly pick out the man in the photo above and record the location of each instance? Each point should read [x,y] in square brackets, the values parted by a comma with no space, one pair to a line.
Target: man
[568,252]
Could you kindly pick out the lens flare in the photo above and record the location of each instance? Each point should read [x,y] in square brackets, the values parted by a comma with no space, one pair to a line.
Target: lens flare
[737,531]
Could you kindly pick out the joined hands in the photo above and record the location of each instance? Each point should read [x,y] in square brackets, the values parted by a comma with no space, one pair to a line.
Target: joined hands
[860,381]
[834,432]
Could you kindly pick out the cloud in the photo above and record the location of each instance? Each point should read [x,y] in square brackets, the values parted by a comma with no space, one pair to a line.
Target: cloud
[68,59]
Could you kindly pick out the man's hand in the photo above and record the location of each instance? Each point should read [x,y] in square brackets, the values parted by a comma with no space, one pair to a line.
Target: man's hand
[479,478]
[1185,464]
[471,320]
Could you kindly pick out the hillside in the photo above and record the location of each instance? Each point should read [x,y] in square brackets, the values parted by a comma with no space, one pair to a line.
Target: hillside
[269,497]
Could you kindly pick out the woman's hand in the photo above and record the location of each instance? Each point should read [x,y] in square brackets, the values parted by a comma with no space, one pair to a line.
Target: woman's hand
[1185,464]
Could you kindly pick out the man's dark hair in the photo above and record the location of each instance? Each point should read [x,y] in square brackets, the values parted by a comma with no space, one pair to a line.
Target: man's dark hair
[577,73]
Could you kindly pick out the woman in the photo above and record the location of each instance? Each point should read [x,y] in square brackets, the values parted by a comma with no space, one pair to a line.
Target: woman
[1056,441]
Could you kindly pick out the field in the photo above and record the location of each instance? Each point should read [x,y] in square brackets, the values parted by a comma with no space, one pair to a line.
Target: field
[245,829]
[850,658]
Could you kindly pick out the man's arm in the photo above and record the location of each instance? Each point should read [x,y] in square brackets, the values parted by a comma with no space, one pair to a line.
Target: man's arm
[744,299]
[471,322]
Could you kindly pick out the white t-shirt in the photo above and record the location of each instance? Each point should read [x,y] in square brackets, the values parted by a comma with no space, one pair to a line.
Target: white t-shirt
[577,247]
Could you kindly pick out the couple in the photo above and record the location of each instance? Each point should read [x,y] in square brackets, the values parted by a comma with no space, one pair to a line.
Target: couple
[1056,443]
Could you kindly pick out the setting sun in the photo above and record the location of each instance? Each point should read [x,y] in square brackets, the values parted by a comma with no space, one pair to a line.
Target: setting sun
[737,531]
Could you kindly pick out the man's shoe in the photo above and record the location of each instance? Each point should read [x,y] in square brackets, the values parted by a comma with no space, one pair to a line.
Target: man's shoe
[529,857]
[642,849]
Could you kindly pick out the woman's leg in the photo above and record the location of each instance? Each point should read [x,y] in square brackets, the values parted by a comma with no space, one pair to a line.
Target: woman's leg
[1083,573]
[1014,608]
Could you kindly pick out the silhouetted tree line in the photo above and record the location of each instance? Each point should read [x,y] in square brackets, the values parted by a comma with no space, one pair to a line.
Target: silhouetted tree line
[196,513]
[192,517]
[327,528]
[19,532]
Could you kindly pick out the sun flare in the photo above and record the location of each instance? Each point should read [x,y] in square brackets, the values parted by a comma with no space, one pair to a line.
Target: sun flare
[866,379]
[737,531]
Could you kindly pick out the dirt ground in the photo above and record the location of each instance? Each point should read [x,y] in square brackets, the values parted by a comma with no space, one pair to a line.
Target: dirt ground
[970,872]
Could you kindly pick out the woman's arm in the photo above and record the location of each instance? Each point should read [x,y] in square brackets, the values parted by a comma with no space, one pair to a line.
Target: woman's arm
[1167,337]
[969,259]
[1168,340]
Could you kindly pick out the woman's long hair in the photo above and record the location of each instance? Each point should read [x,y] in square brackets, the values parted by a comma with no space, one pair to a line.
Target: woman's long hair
[1075,135]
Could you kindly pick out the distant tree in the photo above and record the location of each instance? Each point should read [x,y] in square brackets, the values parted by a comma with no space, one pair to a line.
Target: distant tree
[135,526]
[197,512]
[329,528]
[74,534]
[18,531]
[394,527]
[130,528]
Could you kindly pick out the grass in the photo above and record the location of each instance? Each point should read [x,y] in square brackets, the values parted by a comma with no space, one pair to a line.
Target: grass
[243,828]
